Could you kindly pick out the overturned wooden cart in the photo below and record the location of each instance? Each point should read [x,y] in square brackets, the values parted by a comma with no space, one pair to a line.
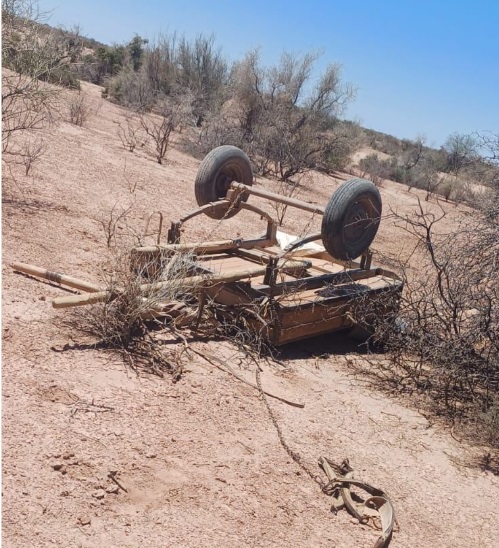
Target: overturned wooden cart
[285,292]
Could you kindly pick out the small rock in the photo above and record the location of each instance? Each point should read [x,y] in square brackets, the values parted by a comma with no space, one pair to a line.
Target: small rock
[58,466]
[99,494]
[68,456]
[150,455]
[85,520]
[42,298]
[113,490]
[64,493]
[25,493]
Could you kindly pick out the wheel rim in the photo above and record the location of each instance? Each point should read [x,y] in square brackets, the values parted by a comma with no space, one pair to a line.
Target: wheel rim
[359,222]
[224,179]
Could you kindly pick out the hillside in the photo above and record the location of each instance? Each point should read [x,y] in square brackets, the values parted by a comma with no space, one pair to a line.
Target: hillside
[200,459]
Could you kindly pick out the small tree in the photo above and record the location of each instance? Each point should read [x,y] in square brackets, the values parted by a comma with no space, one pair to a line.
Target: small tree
[461,152]
[159,127]
[428,177]
[288,127]
[136,51]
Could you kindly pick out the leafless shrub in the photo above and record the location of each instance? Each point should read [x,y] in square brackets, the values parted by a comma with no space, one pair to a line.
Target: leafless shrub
[171,114]
[220,129]
[79,108]
[232,323]
[445,342]
[130,134]
[34,149]
[117,219]
[289,189]
[113,222]
[159,129]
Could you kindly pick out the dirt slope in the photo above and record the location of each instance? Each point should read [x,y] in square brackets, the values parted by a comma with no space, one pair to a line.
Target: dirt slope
[200,459]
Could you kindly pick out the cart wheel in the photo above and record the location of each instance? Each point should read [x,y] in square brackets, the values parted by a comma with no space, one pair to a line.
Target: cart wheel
[351,219]
[217,171]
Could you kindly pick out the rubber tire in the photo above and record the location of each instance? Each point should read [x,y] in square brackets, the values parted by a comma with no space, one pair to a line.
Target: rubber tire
[217,171]
[356,197]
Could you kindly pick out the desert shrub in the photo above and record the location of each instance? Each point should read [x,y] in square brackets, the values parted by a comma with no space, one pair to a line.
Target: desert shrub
[130,133]
[170,114]
[34,149]
[35,50]
[79,108]
[170,66]
[285,126]
[105,62]
[220,129]
[446,189]
[445,342]
[461,151]
[132,89]
[376,169]
[289,189]
[32,54]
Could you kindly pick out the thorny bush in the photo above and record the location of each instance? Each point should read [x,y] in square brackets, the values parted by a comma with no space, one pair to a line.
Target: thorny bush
[445,341]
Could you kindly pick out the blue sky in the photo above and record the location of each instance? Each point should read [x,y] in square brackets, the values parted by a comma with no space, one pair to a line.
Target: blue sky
[420,67]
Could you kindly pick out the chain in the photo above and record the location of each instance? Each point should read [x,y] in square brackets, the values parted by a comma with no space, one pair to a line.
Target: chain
[295,456]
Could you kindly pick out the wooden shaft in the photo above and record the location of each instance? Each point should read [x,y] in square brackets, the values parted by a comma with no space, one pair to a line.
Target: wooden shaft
[196,282]
[278,198]
[56,277]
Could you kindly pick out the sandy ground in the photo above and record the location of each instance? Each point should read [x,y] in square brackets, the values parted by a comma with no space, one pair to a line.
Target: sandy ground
[200,459]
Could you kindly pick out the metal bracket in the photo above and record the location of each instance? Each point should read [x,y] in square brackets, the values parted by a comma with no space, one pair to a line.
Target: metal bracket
[271,272]
[174,233]
[366,259]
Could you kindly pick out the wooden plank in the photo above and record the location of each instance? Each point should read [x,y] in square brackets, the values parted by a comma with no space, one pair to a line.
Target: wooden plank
[314,282]
[202,248]
[304,331]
